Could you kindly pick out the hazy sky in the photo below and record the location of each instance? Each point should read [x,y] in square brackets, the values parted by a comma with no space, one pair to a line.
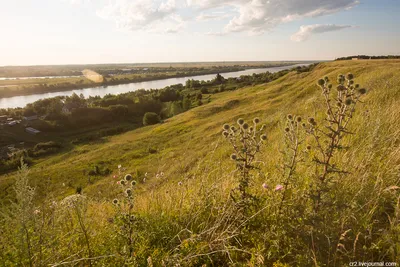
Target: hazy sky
[124,31]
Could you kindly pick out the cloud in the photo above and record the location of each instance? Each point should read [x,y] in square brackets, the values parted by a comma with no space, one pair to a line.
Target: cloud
[250,16]
[212,16]
[259,16]
[306,31]
[148,15]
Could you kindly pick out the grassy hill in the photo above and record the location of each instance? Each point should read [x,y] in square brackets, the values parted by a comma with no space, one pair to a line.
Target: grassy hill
[185,177]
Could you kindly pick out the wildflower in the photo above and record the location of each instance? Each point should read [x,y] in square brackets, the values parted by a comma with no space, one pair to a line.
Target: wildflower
[36,212]
[256,120]
[233,157]
[128,192]
[118,182]
[263,137]
[114,176]
[180,183]
[240,121]
[128,177]
[226,127]
[350,76]
[119,166]
[115,201]
[265,186]
[278,187]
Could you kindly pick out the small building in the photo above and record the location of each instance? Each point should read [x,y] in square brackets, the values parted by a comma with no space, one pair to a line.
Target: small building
[32,130]
[31,118]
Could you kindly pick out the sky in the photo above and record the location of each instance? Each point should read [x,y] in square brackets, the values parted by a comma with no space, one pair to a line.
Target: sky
[47,32]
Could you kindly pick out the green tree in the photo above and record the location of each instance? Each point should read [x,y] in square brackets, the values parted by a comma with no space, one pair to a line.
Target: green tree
[151,118]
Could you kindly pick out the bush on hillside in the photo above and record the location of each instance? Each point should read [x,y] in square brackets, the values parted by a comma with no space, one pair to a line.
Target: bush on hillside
[151,118]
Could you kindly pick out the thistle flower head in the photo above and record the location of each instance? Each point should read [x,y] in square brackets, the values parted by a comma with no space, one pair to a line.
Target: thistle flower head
[251,129]
[128,177]
[321,82]
[311,121]
[350,76]
[128,192]
[233,157]
[240,121]
[287,129]
[308,147]
[133,183]
[326,79]
[233,128]
[115,201]
[290,117]
[256,120]
[265,186]
[298,119]
[348,101]
[263,137]
[123,182]
[226,127]
[245,126]
[225,133]
[180,183]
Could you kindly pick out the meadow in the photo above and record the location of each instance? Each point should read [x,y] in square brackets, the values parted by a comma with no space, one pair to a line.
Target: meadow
[193,191]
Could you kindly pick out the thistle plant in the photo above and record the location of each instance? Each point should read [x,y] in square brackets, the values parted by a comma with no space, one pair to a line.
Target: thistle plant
[292,153]
[246,141]
[328,137]
[125,219]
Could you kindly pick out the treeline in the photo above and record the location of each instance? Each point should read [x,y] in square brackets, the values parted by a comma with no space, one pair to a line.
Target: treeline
[368,57]
[72,112]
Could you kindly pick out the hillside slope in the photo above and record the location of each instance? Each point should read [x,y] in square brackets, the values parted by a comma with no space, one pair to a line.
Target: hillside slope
[187,159]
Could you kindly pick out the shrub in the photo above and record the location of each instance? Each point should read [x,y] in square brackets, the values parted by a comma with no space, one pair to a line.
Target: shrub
[151,118]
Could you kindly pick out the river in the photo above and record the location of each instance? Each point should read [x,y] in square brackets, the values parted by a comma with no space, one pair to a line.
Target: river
[21,101]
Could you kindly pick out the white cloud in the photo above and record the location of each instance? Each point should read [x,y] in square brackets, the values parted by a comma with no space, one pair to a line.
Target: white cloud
[306,31]
[212,16]
[149,15]
[258,16]
[250,16]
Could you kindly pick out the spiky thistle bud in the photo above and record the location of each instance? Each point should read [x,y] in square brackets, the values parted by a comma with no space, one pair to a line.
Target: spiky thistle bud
[350,76]
[245,126]
[256,120]
[128,192]
[240,121]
